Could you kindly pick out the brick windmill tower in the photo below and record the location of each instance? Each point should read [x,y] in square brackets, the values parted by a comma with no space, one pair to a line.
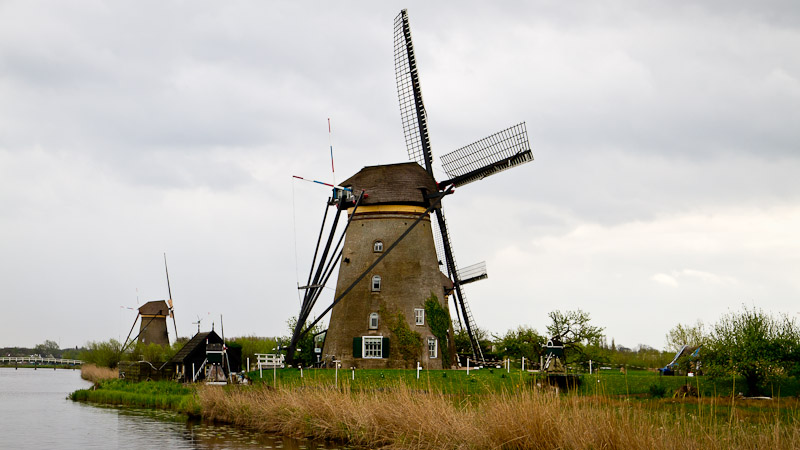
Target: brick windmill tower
[396,267]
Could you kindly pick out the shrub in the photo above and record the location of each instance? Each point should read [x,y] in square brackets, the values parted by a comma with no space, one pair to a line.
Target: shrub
[657,390]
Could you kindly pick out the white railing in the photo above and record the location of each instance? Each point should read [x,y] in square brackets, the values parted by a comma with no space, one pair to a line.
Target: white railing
[39,360]
[270,360]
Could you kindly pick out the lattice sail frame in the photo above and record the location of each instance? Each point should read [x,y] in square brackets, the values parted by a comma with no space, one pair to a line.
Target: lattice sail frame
[500,151]
[409,93]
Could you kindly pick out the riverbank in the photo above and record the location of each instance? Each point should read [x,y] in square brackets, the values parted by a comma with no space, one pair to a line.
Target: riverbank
[390,410]
[166,395]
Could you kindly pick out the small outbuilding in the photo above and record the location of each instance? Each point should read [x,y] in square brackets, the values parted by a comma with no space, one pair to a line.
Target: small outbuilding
[205,356]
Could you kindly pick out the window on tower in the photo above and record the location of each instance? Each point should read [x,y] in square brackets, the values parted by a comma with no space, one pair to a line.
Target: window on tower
[373,321]
[377,247]
[432,350]
[372,347]
[376,283]
[419,316]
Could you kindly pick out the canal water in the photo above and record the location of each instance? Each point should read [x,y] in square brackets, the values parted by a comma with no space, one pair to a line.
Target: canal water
[36,414]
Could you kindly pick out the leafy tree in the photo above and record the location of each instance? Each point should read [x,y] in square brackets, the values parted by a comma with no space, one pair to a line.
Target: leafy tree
[155,354]
[103,354]
[755,346]
[253,344]
[691,335]
[461,340]
[579,336]
[48,348]
[305,346]
[522,341]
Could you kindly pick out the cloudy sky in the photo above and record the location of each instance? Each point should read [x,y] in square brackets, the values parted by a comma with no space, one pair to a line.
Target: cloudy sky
[665,187]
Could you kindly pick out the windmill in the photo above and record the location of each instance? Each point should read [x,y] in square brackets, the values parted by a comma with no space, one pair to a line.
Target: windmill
[391,257]
[153,315]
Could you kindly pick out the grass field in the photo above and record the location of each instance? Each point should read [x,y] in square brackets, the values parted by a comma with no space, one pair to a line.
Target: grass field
[639,384]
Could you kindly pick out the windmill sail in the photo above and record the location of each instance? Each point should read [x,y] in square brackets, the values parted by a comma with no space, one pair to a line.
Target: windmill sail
[412,110]
[488,156]
[415,130]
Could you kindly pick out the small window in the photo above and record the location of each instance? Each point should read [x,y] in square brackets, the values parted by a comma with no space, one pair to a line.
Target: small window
[432,350]
[419,316]
[377,247]
[373,321]
[376,283]
[373,346]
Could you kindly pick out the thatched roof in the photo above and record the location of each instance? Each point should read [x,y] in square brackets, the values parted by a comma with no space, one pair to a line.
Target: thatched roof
[154,308]
[396,184]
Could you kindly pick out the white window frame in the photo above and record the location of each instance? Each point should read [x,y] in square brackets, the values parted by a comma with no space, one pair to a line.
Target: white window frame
[373,317]
[433,351]
[376,347]
[376,283]
[419,316]
[377,246]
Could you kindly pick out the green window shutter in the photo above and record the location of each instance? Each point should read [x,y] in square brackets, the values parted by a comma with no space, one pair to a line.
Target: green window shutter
[385,348]
[356,347]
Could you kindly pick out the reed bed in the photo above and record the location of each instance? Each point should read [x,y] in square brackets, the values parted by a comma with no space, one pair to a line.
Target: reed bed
[403,417]
[91,372]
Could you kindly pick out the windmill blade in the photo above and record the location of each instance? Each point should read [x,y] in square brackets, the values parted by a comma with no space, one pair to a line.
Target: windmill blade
[442,238]
[488,156]
[412,110]
[169,302]
[473,273]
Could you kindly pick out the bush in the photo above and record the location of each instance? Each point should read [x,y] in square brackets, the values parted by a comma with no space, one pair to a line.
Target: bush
[657,390]
[102,354]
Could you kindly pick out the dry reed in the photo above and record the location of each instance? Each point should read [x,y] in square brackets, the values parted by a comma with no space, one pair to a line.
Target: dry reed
[92,373]
[402,418]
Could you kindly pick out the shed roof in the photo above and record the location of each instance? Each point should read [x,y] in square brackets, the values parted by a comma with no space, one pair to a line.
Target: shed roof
[401,183]
[195,343]
[154,308]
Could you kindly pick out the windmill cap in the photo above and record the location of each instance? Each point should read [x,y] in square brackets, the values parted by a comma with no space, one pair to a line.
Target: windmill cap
[395,184]
[154,308]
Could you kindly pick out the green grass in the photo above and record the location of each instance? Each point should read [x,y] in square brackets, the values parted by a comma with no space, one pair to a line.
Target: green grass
[445,381]
[148,394]
[639,383]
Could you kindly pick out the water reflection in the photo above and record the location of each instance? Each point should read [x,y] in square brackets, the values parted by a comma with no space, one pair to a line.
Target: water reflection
[35,414]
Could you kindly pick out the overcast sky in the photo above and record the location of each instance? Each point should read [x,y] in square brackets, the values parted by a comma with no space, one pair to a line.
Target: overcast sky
[665,187]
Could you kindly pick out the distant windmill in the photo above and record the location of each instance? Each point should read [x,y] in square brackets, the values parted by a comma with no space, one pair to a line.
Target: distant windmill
[392,248]
[153,323]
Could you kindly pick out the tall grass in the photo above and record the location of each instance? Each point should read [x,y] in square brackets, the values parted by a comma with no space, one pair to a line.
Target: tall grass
[91,372]
[401,416]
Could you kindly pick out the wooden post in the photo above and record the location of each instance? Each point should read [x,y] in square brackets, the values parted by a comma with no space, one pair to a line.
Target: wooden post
[193,376]
[418,367]
[467,365]
[523,364]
